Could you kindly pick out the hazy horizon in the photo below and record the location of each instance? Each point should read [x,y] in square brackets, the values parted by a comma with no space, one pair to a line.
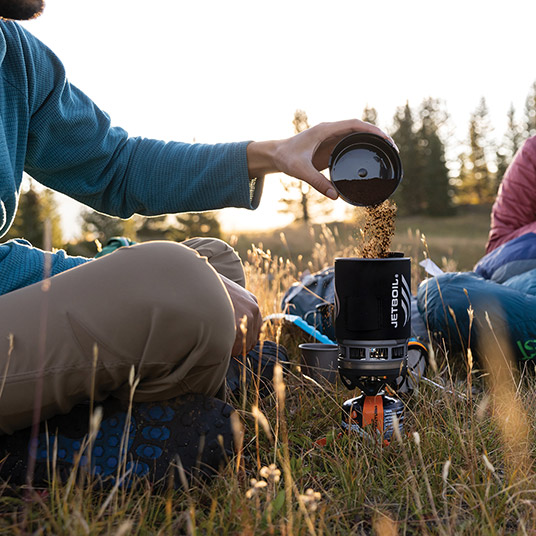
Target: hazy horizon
[217,72]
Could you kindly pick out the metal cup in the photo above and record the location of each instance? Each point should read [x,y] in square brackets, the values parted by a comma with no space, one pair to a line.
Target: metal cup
[320,360]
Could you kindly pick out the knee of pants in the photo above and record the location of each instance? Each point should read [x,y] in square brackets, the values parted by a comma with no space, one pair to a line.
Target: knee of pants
[221,256]
[173,308]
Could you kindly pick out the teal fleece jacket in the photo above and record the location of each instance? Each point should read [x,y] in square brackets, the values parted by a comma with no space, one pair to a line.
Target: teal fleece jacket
[55,133]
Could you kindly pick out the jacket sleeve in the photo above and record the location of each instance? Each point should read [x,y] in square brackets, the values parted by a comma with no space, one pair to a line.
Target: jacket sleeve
[514,210]
[22,265]
[74,149]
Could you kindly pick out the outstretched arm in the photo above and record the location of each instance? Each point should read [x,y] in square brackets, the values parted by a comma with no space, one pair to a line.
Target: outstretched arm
[303,156]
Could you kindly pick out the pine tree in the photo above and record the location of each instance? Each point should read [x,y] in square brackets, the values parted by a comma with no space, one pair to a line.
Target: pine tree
[50,213]
[370,115]
[300,121]
[530,112]
[512,141]
[409,197]
[173,227]
[97,226]
[37,209]
[477,182]
[435,175]
[308,201]
[514,134]
[178,227]
[196,224]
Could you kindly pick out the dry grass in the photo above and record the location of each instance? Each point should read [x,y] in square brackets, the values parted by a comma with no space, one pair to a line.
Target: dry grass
[464,464]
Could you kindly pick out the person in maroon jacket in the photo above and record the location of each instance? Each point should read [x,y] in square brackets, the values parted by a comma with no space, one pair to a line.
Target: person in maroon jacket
[514,210]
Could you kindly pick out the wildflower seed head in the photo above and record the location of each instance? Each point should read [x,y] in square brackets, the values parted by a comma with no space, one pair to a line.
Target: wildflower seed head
[310,499]
[446,468]
[471,313]
[256,487]
[279,384]
[470,360]
[271,473]
[488,464]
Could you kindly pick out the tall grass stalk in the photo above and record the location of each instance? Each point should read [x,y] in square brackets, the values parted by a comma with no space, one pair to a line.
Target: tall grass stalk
[471,472]
[11,345]
[279,388]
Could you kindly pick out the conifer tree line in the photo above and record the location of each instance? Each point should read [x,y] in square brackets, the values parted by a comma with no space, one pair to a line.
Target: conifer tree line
[36,209]
[433,184]
[38,221]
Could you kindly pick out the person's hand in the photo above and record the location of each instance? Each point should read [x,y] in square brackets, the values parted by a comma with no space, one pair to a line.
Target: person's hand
[304,155]
[245,305]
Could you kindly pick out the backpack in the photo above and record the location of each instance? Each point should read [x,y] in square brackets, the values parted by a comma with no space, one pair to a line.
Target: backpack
[313,299]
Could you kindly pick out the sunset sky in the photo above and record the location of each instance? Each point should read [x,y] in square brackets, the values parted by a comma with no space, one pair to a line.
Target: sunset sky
[214,71]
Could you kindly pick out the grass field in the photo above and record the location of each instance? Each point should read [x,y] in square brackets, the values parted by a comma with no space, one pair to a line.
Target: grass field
[464,464]
[455,242]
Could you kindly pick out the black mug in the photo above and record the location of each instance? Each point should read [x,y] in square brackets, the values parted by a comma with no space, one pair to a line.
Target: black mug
[365,169]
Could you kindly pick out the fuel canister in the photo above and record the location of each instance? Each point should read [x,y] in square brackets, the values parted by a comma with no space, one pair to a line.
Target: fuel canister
[372,416]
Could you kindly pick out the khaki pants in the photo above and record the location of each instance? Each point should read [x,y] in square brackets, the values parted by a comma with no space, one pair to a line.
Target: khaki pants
[158,306]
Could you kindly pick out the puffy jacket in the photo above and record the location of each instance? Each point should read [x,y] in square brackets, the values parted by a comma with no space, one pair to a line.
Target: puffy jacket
[514,210]
[501,289]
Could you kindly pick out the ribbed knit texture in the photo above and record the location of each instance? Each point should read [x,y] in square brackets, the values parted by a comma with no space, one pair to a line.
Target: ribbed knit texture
[55,133]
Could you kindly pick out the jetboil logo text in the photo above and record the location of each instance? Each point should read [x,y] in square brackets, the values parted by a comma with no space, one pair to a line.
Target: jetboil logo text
[400,301]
